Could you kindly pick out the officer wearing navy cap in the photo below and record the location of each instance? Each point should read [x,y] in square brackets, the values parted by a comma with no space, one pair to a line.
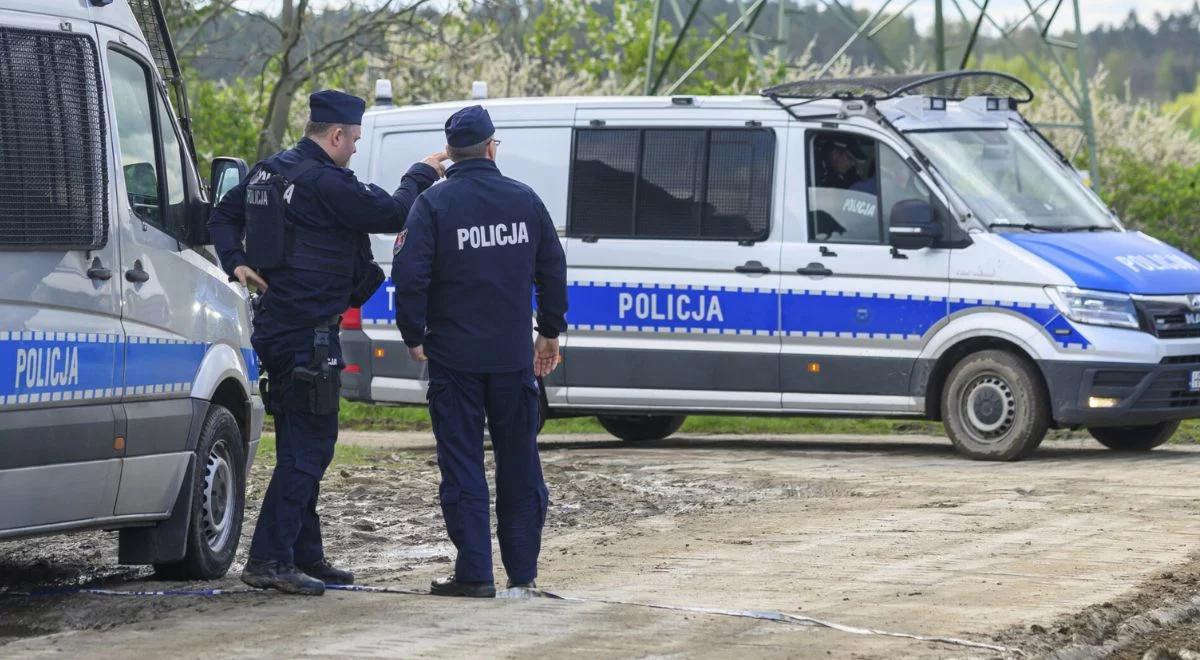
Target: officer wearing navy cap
[305,219]
[463,270]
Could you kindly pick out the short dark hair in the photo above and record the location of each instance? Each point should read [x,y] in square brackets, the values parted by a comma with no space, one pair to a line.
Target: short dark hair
[478,150]
[318,128]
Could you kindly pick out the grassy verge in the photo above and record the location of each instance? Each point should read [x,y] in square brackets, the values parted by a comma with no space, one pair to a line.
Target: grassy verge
[367,417]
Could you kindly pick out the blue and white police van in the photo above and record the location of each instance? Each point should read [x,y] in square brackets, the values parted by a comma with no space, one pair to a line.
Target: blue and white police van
[128,396]
[907,246]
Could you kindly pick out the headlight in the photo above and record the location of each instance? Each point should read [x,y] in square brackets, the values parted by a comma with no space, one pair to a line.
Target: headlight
[1094,307]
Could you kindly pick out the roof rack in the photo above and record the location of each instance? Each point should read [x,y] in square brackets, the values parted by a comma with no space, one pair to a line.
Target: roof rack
[952,85]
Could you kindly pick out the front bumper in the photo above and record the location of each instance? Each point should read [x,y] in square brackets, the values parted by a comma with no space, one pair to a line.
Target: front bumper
[1147,393]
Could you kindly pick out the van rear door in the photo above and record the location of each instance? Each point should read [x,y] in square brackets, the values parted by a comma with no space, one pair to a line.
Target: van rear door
[60,329]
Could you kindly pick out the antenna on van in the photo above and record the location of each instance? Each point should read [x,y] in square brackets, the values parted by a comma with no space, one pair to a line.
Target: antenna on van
[479,90]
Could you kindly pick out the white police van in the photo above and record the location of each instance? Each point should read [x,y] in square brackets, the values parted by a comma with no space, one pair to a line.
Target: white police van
[128,392]
[900,246]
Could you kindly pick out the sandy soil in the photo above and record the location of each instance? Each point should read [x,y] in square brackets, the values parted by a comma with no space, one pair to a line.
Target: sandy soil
[1079,552]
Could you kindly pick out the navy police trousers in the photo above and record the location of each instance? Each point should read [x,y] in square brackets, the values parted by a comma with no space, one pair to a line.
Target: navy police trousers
[458,404]
[289,529]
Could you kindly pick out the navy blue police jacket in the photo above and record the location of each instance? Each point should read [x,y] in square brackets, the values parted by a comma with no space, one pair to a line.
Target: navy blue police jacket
[475,248]
[332,214]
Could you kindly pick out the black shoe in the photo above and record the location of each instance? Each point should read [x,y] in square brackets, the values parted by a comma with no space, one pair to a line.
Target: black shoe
[326,573]
[448,586]
[268,574]
[522,585]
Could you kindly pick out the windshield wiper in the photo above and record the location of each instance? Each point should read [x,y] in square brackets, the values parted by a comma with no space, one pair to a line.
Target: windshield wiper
[1090,228]
[1027,226]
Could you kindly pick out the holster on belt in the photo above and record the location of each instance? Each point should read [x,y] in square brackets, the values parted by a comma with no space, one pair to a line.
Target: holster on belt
[321,380]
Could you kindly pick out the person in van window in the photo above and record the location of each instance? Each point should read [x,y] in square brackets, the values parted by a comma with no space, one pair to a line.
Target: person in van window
[473,248]
[305,220]
[839,164]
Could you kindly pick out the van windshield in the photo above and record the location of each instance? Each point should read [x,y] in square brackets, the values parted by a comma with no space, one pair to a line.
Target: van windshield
[1009,181]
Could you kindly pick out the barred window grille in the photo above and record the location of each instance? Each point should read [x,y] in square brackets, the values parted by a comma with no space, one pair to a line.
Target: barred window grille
[53,179]
[706,184]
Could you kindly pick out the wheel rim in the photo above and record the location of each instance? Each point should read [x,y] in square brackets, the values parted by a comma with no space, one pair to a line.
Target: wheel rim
[989,407]
[217,507]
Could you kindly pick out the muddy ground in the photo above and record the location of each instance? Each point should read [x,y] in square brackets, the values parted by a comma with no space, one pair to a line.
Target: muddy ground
[1076,553]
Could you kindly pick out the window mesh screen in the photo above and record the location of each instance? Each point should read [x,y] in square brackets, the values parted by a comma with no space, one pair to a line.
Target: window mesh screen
[739,184]
[672,183]
[669,191]
[53,182]
[602,182]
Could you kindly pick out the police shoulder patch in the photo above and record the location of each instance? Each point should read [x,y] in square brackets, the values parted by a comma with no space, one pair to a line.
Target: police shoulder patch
[399,244]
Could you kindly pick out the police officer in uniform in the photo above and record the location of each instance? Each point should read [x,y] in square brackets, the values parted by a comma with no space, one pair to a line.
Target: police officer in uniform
[305,220]
[463,268]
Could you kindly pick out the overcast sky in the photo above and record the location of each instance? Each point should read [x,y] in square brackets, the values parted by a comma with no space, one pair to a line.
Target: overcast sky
[1095,12]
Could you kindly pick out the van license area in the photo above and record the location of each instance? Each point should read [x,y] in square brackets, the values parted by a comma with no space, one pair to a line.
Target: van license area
[1194,381]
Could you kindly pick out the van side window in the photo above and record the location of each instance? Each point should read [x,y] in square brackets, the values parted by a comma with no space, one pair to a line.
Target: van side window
[843,189]
[708,184]
[175,218]
[854,183]
[53,151]
[135,134]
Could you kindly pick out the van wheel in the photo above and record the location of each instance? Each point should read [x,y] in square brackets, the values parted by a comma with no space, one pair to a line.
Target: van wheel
[1134,438]
[218,501]
[637,428]
[995,406]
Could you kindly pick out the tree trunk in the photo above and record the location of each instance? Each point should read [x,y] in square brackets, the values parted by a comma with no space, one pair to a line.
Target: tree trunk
[270,137]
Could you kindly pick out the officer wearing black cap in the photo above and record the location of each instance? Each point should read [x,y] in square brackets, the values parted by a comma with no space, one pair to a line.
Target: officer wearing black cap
[839,161]
[463,270]
[305,219]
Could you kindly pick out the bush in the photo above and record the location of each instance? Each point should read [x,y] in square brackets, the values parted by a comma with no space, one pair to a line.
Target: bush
[1161,199]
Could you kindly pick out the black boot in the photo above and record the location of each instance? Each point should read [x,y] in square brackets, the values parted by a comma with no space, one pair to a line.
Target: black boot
[326,573]
[522,585]
[449,586]
[269,574]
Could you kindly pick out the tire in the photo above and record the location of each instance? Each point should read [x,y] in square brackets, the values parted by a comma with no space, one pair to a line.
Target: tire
[995,406]
[218,501]
[1134,438]
[639,428]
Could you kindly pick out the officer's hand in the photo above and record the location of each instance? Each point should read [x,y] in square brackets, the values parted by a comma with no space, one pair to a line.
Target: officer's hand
[417,353]
[545,356]
[435,161]
[248,278]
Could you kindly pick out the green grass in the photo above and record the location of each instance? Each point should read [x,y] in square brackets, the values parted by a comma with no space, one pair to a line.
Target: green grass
[344,454]
[368,417]
[363,416]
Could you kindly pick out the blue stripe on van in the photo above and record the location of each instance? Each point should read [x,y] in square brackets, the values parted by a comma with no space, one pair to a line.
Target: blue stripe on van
[55,366]
[622,306]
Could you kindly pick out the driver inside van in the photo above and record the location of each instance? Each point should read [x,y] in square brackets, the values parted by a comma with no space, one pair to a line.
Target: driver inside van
[840,160]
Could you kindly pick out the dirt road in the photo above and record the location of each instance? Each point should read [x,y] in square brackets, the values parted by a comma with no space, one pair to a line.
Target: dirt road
[1079,552]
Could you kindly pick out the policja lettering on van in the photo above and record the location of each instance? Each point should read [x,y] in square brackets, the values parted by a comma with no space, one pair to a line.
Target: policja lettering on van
[490,235]
[671,307]
[47,367]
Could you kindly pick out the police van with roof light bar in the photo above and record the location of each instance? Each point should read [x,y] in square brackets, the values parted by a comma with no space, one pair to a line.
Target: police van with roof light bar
[128,388]
[905,246]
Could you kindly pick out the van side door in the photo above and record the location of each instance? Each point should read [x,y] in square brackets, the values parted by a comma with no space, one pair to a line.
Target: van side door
[855,313]
[60,328]
[169,297]
[673,261]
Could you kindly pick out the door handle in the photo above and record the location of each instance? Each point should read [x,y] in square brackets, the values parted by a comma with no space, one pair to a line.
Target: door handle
[815,269]
[97,271]
[137,274]
[752,267]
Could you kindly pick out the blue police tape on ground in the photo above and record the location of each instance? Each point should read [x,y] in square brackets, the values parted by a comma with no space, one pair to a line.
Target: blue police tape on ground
[40,367]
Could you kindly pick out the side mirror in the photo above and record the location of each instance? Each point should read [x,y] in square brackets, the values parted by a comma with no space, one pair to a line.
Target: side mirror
[913,226]
[225,173]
